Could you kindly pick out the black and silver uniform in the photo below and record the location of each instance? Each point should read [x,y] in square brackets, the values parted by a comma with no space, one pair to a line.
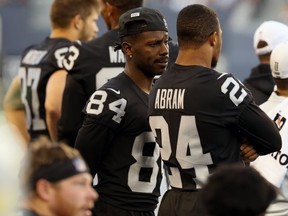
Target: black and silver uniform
[95,64]
[38,63]
[199,118]
[118,145]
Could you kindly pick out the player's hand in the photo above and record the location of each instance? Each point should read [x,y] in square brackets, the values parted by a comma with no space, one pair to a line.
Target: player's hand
[248,153]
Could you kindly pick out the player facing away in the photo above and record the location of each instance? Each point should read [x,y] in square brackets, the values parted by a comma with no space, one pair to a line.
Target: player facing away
[274,166]
[41,73]
[116,139]
[266,37]
[96,63]
[200,116]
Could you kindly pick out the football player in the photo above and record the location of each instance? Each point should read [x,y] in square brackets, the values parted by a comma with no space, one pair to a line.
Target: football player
[38,87]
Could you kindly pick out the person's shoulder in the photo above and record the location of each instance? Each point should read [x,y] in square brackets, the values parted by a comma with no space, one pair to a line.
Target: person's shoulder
[108,38]
[48,50]
[53,44]
[26,212]
[122,87]
[118,82]
[233,89]
[224,76]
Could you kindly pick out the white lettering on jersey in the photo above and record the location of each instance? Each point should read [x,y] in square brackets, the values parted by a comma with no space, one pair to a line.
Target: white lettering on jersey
[60,55]
[188,139]
[29,83]
[233,90]
[96,105]
[142,162]
[116,56]
[170,99]
[33,57]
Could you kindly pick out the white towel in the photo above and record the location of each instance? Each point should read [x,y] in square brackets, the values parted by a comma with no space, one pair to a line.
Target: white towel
[274,166]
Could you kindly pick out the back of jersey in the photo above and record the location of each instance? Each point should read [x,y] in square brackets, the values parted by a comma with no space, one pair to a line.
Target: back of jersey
[38,63]
[195,122]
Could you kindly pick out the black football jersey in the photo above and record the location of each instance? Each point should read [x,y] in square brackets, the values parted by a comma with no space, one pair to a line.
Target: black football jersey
[38,63]
[94,64]
[199,117]
[118,145]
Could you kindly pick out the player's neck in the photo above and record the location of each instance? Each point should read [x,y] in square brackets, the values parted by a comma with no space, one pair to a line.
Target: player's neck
[63,33]
[140,79]
[38,206]
[282,92]
[189,56]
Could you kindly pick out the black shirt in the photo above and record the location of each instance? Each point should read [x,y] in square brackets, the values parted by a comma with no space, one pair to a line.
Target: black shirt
[199,117]
[261,83]
[118,145]
[95,64]
[38,63]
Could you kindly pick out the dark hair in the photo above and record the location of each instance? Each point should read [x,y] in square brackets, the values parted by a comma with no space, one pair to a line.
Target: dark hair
[265,56]
[195,23]
[238,191]
[62,11]
[125,5]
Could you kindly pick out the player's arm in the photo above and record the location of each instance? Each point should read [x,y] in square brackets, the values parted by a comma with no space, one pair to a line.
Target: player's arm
[260,130]
[73,102]
[254,124]
[15,110]
[93,141]
[53,101]
[104,113]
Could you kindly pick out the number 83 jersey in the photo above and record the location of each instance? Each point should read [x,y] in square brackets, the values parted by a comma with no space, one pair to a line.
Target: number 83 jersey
[118,145]
[38,63]
[198,117]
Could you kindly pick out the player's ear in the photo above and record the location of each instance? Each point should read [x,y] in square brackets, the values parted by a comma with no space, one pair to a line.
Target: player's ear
[44,189]
[109,8]
[127,48]
[77,22]
[213,38]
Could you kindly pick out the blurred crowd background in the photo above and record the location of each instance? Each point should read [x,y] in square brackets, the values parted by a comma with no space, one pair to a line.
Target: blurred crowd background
[25,22]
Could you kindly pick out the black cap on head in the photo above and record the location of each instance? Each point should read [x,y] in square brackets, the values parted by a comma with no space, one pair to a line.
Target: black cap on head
[153,19]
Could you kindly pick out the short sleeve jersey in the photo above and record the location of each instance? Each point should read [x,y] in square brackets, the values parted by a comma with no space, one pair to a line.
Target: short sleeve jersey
[197,117]
[38,63]
[89,66]
[129,172]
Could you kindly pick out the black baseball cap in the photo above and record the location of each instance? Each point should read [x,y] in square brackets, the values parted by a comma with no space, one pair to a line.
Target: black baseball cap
[154,20]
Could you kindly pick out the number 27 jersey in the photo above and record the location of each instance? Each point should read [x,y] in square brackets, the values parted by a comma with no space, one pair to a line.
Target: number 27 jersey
[38,63]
